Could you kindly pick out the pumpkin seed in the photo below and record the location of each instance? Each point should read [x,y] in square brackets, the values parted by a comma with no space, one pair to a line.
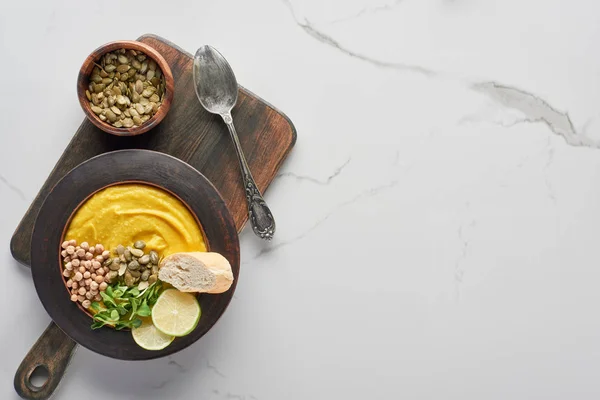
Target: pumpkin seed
[122,269]
[103,73]
[139,86]
[150,74]
[116,110]
[144,67]
[99,87]
[154,98]
[112,275]
[128,279]
[112,117]
[122,59]
[114,266]
[107,81]
[143,285]
[88,95]
[127,122]
[145,259]
[110,68]
[118,124]
[96,78]
[97,110]
[152,278]
[127,252]
[135,274]
[123,68]
[102,117]
[137,251]
[137,120]
[153,257]
[133,265]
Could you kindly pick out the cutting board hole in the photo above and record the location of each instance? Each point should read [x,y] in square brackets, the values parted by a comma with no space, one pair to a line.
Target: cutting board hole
[38,377]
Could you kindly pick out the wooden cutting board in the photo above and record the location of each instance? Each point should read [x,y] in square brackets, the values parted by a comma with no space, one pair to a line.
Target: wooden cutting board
[189,133]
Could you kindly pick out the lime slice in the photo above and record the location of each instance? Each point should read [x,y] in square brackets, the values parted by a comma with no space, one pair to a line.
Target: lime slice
[150,338]
[176,313]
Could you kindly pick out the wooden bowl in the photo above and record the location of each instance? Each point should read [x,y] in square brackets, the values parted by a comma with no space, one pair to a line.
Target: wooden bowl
[83,80]
[152,168]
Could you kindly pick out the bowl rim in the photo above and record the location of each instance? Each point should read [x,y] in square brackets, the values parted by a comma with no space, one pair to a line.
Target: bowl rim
[177,176]
[83,80]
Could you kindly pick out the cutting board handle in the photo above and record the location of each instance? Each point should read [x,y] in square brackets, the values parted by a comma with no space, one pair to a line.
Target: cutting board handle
[53,352]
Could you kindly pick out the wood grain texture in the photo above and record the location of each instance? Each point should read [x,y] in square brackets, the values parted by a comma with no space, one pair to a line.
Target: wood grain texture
[83,80]
[189,133]
[53,351]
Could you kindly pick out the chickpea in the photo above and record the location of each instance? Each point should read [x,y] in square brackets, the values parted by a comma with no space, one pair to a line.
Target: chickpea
[93,292]
[87,264]
[93,276]
[80,298]
[81,269]
[75,284]
[98,297]
[77,248]
[86,303]
[82,291]
[85,246]
[64,253]
[66,273]
[99,259]
[105,254]
[88,281]
[86,274]
[75,262]
[99,279]
[80,253]
[70,250]
[100,249]
[73,297]
[103,286]
[78,276]
[100,271]
[92,249]
[69,266]
[65,244]
[70,283]
[96,264]
[89,295]
[94,285]
[72,242]
[89,256]
[106,279]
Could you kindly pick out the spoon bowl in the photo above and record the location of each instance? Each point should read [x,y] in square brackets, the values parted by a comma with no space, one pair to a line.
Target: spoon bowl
[218,90]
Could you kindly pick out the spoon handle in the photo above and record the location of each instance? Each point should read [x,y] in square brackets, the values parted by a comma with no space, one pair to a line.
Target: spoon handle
[261,219]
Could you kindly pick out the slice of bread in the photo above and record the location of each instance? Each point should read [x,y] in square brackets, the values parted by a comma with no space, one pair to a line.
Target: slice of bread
[197,272]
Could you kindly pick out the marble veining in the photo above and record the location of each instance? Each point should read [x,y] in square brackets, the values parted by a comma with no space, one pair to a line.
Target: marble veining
[437,218]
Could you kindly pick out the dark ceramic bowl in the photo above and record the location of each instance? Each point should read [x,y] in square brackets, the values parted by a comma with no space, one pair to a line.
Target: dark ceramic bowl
[127,166]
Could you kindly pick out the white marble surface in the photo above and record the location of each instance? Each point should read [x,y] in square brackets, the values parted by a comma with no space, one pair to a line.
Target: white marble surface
[438,219]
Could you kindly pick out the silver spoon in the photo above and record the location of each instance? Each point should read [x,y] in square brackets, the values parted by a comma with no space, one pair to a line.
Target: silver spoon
[217,90]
